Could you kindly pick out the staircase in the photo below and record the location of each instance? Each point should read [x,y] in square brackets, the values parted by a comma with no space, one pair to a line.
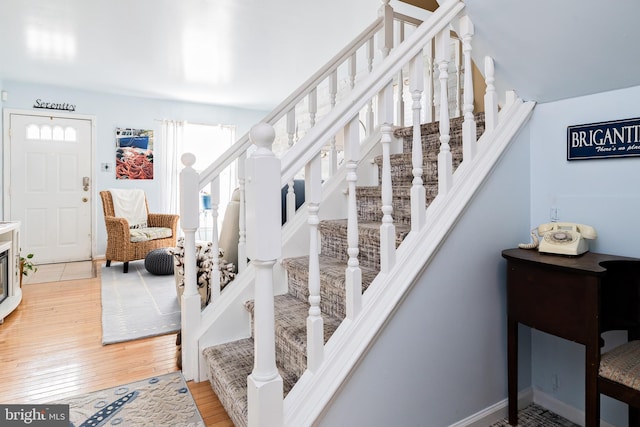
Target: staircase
[300,316]
[230,364]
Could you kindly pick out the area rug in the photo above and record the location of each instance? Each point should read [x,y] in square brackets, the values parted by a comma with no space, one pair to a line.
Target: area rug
[164,400]
[137,304]
[537,416]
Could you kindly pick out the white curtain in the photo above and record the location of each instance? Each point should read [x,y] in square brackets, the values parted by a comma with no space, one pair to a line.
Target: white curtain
[172,148]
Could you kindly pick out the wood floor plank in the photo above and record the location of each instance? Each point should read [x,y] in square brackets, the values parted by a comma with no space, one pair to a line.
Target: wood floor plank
[51,348]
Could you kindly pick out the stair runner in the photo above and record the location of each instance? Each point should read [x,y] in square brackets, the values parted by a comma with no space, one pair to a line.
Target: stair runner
[230,364]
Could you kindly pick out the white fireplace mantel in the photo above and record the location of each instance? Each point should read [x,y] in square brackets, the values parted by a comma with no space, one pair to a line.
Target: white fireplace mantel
[10,239]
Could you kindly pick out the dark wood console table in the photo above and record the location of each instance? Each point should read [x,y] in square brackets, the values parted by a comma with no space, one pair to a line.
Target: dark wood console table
[576,298]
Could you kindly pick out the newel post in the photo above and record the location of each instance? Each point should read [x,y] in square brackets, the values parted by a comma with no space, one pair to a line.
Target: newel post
[190,307]
[264,391]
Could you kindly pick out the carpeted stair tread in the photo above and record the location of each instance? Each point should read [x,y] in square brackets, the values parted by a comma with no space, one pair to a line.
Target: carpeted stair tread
[334,240]
[229,365]
[291,331]
[402,167]
[369,202]
[430,133]
[332,282]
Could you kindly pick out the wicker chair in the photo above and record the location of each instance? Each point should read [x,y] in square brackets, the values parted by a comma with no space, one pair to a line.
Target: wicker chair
[119,244]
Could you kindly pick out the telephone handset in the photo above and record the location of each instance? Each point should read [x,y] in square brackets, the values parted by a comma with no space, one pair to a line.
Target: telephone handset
[564,238]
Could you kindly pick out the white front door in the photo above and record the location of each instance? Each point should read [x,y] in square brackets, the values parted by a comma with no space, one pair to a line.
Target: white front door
[50,190]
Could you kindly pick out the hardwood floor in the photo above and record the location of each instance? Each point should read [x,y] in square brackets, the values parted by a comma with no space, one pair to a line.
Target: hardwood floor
[50,348]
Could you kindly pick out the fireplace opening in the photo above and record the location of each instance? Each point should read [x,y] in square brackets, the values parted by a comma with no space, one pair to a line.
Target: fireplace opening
[4,274]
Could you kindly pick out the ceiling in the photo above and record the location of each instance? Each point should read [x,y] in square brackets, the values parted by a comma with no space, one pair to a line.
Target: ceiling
[245,53]
[253,53]
[550,50]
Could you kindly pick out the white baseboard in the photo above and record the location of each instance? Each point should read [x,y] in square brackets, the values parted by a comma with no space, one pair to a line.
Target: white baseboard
[495,412]
[498,411]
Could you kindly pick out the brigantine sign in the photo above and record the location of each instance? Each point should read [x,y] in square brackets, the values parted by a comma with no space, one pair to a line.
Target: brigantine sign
[620,138]
[54,105]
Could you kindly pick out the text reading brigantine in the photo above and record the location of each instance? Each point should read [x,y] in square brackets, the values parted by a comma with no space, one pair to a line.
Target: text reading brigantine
[620,138]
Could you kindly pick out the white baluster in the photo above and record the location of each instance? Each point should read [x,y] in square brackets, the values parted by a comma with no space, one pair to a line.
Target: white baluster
[436,95]
[190,308]
[458,78]
[469,131]
[369,116]
[313,107]
[490,96]
[264,385]
[386,36]
[387,229]
[242,216]
[510,97]
[333,152]
[370,53]
[353,273]
[400,86]
[445,162]
[290,201]
[214,281]
[351,66]
[418,193]
[429,115]
[315,326]
[333,88]
[291,126]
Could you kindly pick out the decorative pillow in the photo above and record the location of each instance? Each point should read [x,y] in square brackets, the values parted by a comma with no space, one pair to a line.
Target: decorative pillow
[204,262]
[149,233]
[137,226]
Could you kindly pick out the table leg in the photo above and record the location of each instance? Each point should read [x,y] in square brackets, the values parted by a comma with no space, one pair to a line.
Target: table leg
[592,398]
[512,370]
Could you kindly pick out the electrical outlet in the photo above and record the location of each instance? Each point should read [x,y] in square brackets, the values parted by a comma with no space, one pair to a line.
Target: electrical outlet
[555,382]
[105,167]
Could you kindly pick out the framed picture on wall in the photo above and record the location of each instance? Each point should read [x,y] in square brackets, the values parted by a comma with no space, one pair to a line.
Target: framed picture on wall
[134,153]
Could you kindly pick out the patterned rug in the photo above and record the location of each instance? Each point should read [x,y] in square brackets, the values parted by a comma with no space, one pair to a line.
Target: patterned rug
[137,304]
[164,400]
[537,416]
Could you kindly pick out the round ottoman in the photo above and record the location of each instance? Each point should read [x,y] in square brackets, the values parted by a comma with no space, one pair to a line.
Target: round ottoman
[159,262]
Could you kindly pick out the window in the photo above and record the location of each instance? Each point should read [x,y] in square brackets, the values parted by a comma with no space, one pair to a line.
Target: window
[208,142]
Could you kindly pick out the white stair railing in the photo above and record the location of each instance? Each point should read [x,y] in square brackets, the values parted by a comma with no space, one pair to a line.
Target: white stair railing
[304,153]
[325,90]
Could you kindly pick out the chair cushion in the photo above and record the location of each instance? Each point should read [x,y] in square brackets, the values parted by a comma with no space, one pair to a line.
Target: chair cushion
[622,365]
[149,233]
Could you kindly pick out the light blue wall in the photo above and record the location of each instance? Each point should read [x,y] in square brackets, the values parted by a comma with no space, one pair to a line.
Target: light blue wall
[113,111]
[602,193]
[442,356]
